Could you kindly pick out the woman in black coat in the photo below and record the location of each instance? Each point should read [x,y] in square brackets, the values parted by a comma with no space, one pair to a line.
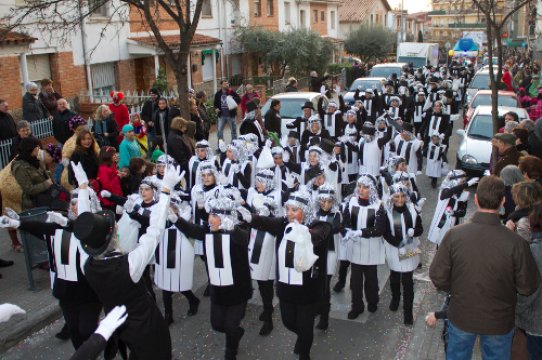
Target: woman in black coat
[84,154]
[182,146]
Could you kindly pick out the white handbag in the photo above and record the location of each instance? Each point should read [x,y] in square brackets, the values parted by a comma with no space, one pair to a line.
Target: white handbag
[232,104]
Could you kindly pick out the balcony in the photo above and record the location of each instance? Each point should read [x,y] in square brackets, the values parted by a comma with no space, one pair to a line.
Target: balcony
[437,12]
[466,26]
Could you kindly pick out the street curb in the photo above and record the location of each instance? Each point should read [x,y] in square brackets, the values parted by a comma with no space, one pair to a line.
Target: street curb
[11,336]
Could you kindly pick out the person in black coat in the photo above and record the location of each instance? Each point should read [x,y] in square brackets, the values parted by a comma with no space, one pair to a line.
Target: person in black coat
[371,103]
[228,269]
[23,131]
[251,125]
[163,113]
[33,108]
[182,147]
[299,292]
[313,135]
[8,127]
[435,120]
[104,128]
[225,115]
[147,111]
[300,122]
[272,119]
[84,154]
[61,118]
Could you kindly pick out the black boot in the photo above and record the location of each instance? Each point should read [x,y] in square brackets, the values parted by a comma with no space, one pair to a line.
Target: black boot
[394,303]
[343,271]
[408,317]
[434,183]
[207,291]
[6,263]
[339,286]
[267,317]
[395,286]
[194,305]
[323,323]
[354,313]
[267,327]
[296,347]
[64,333]
[372,307]
[169,318]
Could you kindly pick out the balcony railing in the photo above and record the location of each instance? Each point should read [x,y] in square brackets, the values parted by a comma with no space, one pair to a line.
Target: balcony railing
[467,26]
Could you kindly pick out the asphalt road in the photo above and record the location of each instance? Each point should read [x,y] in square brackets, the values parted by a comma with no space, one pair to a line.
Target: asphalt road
[381,335]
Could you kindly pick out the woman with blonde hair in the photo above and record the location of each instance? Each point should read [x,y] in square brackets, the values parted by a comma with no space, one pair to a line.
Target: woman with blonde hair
[525,194]
[105,128]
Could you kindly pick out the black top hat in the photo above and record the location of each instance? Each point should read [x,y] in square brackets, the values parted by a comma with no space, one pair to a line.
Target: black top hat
[95,231]
[389,83]
[327,145]
[407,126]
[308,105]
[251,106]
[313,172]
[293,134]
[449,94]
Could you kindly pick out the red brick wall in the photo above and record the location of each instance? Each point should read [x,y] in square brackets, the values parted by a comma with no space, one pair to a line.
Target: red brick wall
[269,22]
[126,74]
[69,79]
[319,26]
[11,81]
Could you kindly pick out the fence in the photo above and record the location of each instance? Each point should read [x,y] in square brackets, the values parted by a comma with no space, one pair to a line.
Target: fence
[41,129]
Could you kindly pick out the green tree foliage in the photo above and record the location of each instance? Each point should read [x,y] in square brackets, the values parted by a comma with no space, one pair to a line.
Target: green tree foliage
[370,42]
[301,51]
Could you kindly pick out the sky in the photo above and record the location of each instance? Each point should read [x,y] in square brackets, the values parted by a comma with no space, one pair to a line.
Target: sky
[411,5]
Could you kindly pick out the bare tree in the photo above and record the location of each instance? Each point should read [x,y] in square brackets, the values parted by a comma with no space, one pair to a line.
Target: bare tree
[61,18]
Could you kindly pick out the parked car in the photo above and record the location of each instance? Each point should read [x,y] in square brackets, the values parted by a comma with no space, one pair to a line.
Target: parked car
[385,70]
[480,81]
[483,97]
[291,104]
[362,84]
[474,151]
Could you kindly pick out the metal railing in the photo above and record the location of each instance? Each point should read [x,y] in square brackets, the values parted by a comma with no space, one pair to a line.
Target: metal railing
[40,128]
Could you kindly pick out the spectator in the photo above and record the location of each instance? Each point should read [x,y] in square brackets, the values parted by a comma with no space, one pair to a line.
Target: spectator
[529,308]
[131,181]
[533,89]
[522,140]
[49,96]
[525,194]
[33,108]
[505,145]
[510,116]
[201,99]
[120,111]
[509,127]
[272,119]
[292,85]
[31,174]
[157,148]
[8,126]
[536,109]
[86,155]
[315,82]
[250,95]
[147,111]
[531,168]
[524,99]
[510,175]
[527,124]
[108,176]
[484,288]
[23,131]
[105,128]
[61,121]
[507,78]
[196,119]
[226,110]
[163,114]
[184,146]
[129,147]
[535,140]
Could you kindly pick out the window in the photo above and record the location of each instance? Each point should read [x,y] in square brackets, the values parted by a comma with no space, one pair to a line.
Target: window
[332,20]
[269,7]
[302,20]
[257,8]
[322,16]
[38,67]
[287,13]
[98,7]
[206,10]
[315,16]
[103,77]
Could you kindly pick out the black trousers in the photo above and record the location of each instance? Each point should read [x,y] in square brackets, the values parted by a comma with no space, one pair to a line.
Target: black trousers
[417,127]
[148,281]
[300,320]
[167,297]
[325,303]
[266,292]
[343,270]
[398,278]
[81,319]
[363,278]
[227,319]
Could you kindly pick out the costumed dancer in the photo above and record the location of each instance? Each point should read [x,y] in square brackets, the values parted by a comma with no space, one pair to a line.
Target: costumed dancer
[302,264]
[292,149]
[435,120]
[350,150]
[417,113]
[371,149]
[451,205]
[409,148]
[436,158]
[225,247]
[203,152]
[332,118]
[364,221]
[403,227]
[312,136]
[300,122]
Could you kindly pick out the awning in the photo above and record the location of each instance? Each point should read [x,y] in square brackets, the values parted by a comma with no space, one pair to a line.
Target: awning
[147,45]
[465,45]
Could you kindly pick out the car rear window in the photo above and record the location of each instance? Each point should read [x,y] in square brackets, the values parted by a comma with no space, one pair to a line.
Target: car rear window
[480,82]
[504,100]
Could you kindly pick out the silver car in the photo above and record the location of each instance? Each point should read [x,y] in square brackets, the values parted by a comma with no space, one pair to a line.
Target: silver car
[474,151]
[362,84]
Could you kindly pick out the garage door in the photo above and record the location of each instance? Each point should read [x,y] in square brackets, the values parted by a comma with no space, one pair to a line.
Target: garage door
[39,67]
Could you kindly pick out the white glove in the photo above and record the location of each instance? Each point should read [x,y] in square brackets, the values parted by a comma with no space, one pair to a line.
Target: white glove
[222,145]
[6,222]
[129,205]
[171,216]
[12,214]
[473,181]
[223,179]
[268,143]
[9,310]
[116,317]
[54,217]
[290,181]
[487,173]
[185,212]
[442,136]
[172,177]
[105,194]
[410,232]
[356,233]
[421,202]
[245,214]
[79,173]
[236,168]
[118,210]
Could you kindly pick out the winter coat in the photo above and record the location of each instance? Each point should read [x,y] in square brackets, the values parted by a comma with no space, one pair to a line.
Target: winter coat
[217,103]
[529,308]
[10,190]
[61,126]
[33,109]
[509,157]
[127,150]
[110,181]
[49,100]
[89,160]
[109,126]
[121,116]
[33,182]
[183,149]
[170,113]
[8,127]
[535,140]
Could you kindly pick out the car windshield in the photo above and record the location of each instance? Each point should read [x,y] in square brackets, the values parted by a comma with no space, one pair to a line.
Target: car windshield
[480,82]
[485,99]
[385,71]
[364,84]
[289,108]
[481,127]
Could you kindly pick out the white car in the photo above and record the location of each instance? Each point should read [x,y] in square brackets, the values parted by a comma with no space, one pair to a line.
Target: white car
[387,69]
[291,104]
[474,151]
[362,84]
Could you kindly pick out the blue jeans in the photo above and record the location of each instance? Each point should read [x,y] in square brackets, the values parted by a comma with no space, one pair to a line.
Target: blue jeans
[534,346]
[59,168]
[461,343]
[222,120]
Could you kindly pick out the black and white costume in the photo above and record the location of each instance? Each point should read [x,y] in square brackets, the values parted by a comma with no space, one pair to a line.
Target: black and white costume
[371,148]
